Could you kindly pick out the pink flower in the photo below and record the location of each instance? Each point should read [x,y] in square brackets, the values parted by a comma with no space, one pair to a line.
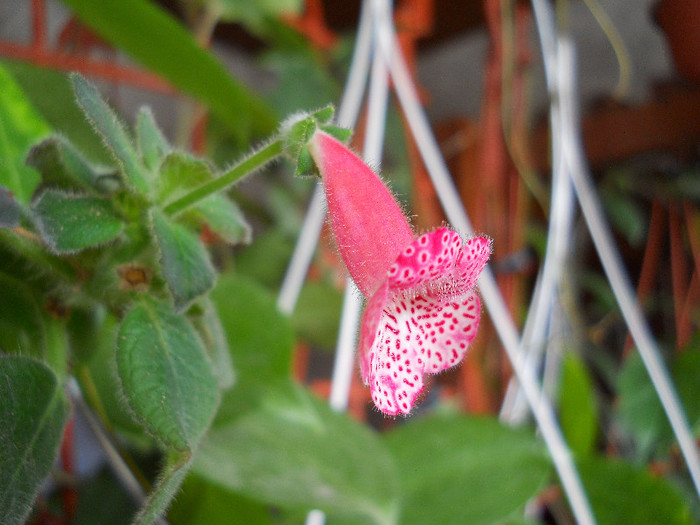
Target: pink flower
[422,311]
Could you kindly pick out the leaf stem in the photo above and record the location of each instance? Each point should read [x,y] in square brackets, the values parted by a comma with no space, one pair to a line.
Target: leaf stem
[255,161]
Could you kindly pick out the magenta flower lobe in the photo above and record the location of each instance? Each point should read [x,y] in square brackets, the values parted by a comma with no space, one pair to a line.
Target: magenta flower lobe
[422,311]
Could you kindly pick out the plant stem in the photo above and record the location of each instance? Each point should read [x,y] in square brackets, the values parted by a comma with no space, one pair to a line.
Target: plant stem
[255,161]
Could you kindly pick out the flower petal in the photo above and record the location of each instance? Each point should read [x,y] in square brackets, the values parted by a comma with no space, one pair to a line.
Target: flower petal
[429,257]
[416,335]
[448,328]
[471,261]
[368,225]
[370,324]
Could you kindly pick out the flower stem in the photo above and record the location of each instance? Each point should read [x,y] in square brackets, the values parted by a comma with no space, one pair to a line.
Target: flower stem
[255,161]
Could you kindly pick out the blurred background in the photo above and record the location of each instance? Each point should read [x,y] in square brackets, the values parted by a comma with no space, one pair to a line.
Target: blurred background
[479,71]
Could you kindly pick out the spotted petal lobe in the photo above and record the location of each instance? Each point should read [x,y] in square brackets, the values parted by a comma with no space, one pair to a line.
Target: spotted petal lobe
[370,326]
[471,261]
[427,258]
[417,335]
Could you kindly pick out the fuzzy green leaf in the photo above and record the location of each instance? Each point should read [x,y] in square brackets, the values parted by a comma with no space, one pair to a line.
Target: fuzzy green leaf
[180,173]
[20,127]
[62,166]
[114,135]
[152,144]
[165,374]
[222,216]
[298,134]
[184,261]
[465,470]
[293,451]
[324,115]
[33,412]
[70,223]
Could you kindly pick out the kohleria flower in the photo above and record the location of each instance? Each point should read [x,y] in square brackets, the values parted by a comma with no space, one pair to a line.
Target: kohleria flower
[422,311]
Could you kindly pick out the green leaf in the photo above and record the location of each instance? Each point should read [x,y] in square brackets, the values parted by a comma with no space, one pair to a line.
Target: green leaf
[33,412]
[101,375]
[317,315]
[184,261]
[9,209]
[153,146]
[209,327]
[297,134]
[51,93]
[171,477]
[20,127]
[266,259]
[165,375]
[621,493]
[180,173]
[342,134]
[155,39]
[465,470]
[113,133]
[69,223]
[202,502]
[223,217]
[62,166]
[639,405]
[577,407]
[293,451]
[305,81]
[260,339]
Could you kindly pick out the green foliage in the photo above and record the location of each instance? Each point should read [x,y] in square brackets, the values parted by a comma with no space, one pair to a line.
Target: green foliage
[260,340]
[641,411]
[107,276]
[253,14]
[62,166]
[70,223]
[577,406]
[113,133]
[156,40]
[622,493]
[203,502]
[166,376]
[317,315]
[20,127]
[32,415]
[490,470]
[183,260]
[293,451]
[152,145]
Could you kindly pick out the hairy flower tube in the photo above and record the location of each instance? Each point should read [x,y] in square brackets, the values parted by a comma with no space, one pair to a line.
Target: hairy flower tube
[422,311]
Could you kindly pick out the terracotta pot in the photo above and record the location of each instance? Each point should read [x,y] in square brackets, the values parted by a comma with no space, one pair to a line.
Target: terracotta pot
[680,21]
